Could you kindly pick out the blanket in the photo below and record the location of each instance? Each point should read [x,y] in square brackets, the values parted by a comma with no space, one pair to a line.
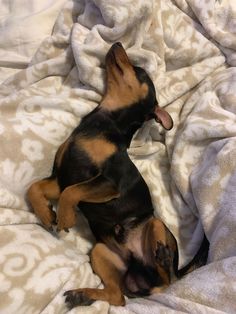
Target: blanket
[52,74]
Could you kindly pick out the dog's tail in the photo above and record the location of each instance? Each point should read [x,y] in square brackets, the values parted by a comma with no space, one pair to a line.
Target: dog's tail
[199,259]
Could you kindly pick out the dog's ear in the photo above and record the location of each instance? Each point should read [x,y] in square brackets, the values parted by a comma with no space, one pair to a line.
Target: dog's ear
[164,118]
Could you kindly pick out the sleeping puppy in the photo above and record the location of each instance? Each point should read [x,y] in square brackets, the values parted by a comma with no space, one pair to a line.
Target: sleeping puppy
[135,254]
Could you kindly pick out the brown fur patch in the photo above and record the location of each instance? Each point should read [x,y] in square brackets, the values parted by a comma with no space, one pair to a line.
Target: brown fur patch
[124,95]
[134,242]
[98,148]
[155,231]
[159,289]
[39,195]
[110,268]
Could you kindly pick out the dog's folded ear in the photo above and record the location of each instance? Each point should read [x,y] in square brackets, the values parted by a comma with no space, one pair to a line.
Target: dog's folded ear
[164,118]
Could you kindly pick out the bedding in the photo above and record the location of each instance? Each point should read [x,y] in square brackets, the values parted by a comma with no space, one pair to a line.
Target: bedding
[52,74]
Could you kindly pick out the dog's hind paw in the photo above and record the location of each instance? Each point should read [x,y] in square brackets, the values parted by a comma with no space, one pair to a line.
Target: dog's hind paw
[164,255]
[77,297]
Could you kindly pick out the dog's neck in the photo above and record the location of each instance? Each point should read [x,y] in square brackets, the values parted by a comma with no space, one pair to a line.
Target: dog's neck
[129,131]
[126,124]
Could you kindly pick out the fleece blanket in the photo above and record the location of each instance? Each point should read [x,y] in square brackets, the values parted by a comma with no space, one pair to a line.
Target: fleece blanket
[52,74]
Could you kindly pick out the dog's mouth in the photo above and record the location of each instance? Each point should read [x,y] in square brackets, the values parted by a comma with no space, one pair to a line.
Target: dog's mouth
[118,59]
[115,62]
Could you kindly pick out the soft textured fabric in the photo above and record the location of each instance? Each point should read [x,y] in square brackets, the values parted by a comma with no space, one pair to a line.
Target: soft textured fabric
[52,73]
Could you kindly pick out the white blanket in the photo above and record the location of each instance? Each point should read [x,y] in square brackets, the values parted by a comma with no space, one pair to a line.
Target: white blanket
[52,74]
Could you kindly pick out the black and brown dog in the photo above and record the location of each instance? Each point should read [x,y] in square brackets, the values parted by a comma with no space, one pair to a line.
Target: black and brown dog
[135,254]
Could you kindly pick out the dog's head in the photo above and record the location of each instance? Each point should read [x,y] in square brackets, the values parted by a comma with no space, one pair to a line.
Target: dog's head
[130,94]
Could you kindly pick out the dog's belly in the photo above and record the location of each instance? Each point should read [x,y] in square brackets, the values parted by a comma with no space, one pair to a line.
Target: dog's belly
[141,273]
[134,242]
[132,208]
[108,221]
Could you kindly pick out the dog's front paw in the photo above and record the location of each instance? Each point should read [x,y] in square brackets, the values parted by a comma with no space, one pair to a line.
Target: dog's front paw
[66,218]
[164,255]
[77,297]
[47,216]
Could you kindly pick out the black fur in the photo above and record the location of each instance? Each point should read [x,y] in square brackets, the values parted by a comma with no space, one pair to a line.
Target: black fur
[117,127]
[115,218]
[140,278]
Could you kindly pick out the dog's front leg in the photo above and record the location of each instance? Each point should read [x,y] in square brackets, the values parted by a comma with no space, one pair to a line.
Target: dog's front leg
[39,195]
[110,268]
[98,190]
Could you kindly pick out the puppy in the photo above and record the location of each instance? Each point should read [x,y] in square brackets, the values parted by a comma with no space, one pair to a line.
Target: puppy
[135,254]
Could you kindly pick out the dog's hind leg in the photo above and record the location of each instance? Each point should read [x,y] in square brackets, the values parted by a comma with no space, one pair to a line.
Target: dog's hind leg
[98,190]
[110,268]
[39,195]
[161,251]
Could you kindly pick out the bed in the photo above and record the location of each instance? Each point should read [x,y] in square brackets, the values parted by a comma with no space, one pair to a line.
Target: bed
[52,74]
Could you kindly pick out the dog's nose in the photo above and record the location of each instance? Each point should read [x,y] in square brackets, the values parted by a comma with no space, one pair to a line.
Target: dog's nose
[117,45]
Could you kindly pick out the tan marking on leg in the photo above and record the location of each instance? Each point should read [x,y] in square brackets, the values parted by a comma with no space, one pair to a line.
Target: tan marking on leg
[156,232]
[158,289]
[98,190]
[98,149]
[164,275]
[110,268]
[39,195]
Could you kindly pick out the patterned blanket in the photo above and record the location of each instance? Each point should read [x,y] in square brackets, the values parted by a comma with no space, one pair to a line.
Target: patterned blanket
[52,74]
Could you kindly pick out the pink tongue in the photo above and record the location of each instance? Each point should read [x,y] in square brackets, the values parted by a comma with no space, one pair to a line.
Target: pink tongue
[164,118]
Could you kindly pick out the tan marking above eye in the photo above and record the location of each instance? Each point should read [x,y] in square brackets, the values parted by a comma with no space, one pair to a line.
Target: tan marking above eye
[98,149]
[144,90]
